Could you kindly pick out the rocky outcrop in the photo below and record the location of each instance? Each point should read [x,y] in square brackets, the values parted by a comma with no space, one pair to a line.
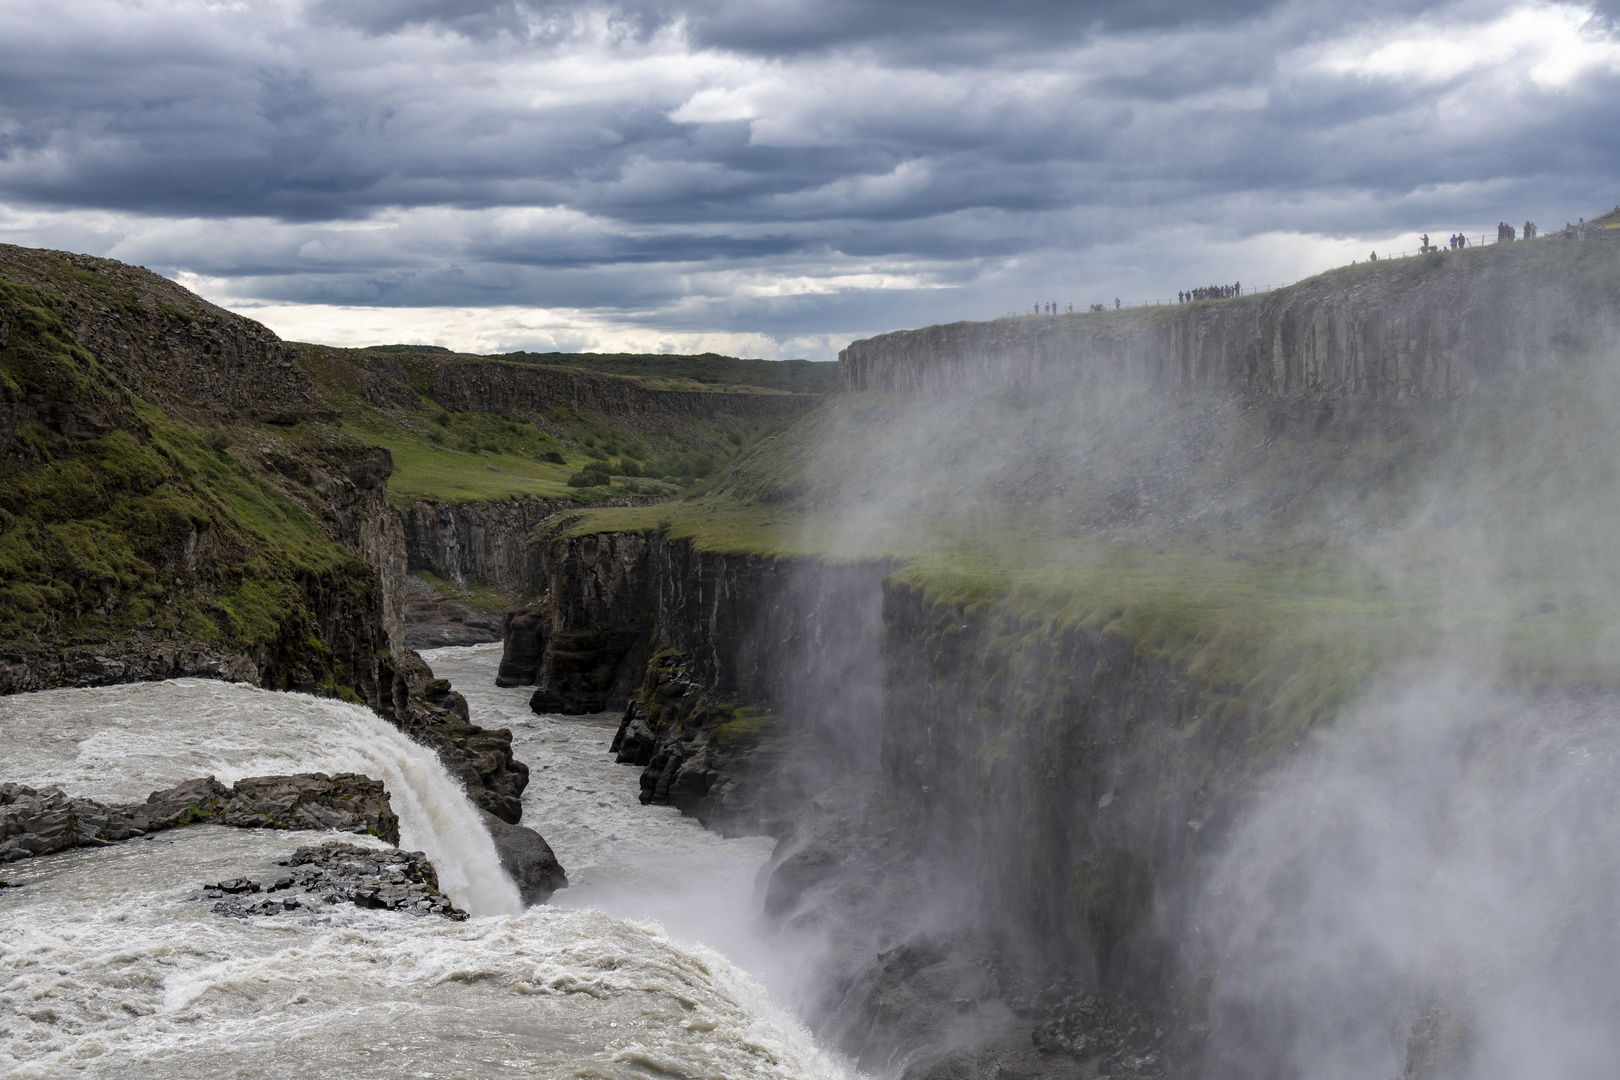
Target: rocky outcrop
[527,859]
[140,657]
[169,346]
[716,660]
[42,822]
[480,758]
[168,407]
[1429,327]
[337,873]
[212,545]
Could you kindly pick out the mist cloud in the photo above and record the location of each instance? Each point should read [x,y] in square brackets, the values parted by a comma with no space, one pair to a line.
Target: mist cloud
[887,164]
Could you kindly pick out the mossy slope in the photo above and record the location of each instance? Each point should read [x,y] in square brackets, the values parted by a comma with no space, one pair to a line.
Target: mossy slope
[123,522]
[449,445]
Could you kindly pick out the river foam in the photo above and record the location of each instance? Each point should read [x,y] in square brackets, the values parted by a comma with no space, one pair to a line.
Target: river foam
[118,743]
[109,968]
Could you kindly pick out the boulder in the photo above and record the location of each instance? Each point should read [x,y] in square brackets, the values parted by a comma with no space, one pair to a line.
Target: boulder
[187,802]
[527,857]
[313,801]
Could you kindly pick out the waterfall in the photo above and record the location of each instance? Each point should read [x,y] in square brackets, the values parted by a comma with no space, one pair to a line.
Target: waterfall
[119,743]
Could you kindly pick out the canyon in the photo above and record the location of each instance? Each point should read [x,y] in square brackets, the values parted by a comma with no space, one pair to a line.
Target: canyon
[1016,646]
[1018,797]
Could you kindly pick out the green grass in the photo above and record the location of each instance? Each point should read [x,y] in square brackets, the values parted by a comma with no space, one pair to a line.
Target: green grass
[705,370]
[460,456]
[153,525]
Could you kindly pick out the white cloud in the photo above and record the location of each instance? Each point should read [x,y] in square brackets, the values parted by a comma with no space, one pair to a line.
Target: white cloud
[1551,45]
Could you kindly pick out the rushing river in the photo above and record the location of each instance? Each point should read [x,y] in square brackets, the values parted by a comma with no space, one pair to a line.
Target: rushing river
[645,966]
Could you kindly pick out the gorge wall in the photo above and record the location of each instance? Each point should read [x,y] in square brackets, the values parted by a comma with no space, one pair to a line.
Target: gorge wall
[716,660]
[115,381]
[1431,326]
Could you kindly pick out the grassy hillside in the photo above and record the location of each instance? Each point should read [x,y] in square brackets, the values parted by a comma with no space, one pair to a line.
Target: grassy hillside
[701,370]
[121,519]
[460,455]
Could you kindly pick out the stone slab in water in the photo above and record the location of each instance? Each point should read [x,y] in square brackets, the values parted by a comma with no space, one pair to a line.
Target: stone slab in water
[41,822]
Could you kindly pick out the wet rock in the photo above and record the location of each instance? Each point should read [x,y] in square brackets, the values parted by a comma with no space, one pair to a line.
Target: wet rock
[388,878]
[635,741]
[812,865]
[236,909]
[1116,1034]
[313,801]
[480,758]
[347,801]
[43,822]
[527,857]
[340,873]
[186,803]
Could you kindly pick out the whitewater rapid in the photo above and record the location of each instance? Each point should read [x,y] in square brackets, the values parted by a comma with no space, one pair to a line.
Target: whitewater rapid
[107,967]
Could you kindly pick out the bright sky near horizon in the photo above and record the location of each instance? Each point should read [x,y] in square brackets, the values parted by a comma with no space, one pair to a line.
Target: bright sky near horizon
[777,177]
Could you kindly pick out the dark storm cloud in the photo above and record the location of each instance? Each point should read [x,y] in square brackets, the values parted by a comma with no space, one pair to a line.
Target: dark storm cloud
[631,157]
[792,26]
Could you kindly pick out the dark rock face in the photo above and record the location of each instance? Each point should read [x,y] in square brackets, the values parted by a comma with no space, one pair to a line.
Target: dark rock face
[529,860]
[1115,1034]
[41,822]
[701,753]
[433,621]
[794,641]
[436,716]
[523,636]
[338,873]
[587,669]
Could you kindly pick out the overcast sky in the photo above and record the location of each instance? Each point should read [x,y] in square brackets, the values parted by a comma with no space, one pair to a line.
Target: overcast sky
[776,178]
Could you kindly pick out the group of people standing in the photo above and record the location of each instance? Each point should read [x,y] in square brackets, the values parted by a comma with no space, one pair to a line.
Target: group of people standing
[1211,292]
[1506,232]
[1455,242]
[1052,308]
